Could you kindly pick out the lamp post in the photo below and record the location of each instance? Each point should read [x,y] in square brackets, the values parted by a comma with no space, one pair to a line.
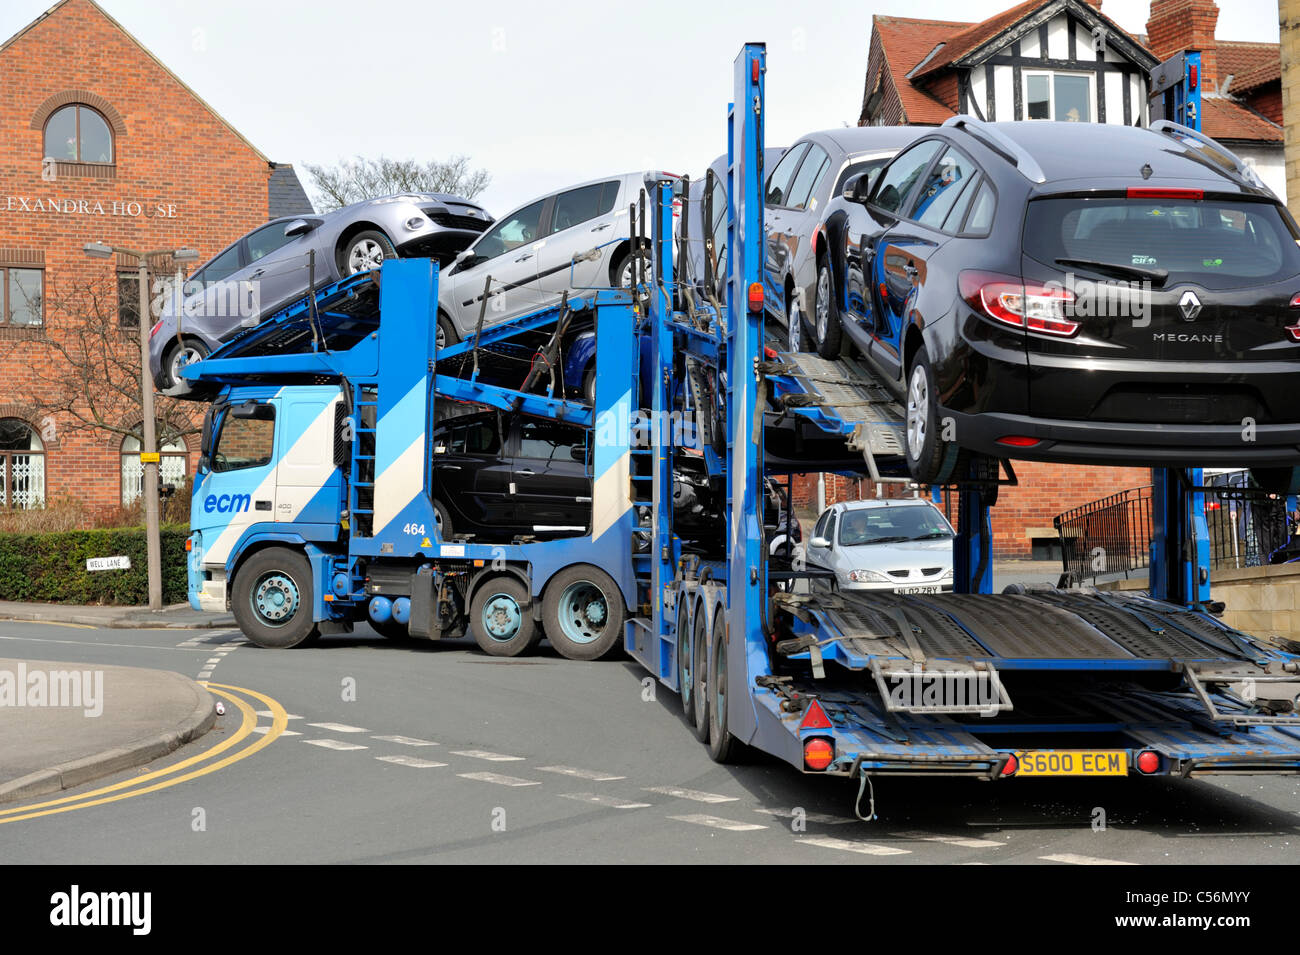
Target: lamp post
[149,457]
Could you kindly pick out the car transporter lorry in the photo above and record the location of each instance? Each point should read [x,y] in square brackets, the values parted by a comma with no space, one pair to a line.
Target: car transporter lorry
[313,509]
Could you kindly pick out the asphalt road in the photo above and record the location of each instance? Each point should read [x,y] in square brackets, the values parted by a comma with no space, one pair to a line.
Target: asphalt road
[402,754]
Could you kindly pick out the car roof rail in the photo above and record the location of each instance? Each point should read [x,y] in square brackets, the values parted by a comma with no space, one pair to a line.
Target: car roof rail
[1225,156]
[1000,143]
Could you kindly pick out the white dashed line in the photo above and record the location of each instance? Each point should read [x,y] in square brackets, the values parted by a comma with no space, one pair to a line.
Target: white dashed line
[214,660]
[405,740]
[846,845]
[820,818]
[1070,858]
[613,802]
[717,822]
[965,843]
[287,716]
[580,773]
[334,744]
[263,730]
[499,779]
[694,794]
[411,761]
[338,728]
[484,754]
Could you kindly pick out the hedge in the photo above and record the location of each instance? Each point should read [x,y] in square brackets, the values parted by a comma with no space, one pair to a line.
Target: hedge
[52,567]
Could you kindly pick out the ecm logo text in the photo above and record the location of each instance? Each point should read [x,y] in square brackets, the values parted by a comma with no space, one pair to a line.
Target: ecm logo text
[226,503]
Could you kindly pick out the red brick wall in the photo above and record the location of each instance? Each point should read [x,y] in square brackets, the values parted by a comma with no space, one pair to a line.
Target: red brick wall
[172,151]
[1175,25]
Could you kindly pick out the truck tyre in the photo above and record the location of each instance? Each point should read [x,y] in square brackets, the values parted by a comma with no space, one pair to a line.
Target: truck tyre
[685,662]
[500,619]
[583,613]
[273,598]
[699,669]
[723,747]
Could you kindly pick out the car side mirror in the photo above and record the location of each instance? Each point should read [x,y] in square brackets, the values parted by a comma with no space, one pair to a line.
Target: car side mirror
[855,187]
[463,255]
[819,542]
[298,227]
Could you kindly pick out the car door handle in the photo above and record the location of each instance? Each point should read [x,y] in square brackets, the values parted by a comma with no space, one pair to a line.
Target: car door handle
[257,273]
[524,258]
[597,228]
[525,471]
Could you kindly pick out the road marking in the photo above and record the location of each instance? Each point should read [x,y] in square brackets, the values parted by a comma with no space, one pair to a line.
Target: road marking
[52,623]
[613,802]
[87,800]
[1070,858]
[484,754]
[83,643]
[287,716]
[334,744]
[717,822]
[580,773]
[499,779]
[267,729]
[965,843]
[410,761]
[694,794]
[405,740]
[818,817]
[214,660]
[865,848]
[339,728]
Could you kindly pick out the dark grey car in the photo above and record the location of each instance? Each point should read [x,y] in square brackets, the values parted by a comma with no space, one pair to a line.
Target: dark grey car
[272,266]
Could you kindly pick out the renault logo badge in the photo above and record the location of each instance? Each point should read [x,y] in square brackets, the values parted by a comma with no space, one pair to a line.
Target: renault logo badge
[1191,306]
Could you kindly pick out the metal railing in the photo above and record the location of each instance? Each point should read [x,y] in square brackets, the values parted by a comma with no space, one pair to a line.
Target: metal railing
[1247,527]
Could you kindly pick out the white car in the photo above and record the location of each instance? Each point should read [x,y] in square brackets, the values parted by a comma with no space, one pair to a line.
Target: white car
[903,545]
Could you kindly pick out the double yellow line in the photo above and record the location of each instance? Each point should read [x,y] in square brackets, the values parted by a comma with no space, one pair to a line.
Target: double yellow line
[165,778]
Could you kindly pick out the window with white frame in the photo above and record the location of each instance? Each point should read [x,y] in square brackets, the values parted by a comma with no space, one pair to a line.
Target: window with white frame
[22,465]
[172,467]
[1064,97]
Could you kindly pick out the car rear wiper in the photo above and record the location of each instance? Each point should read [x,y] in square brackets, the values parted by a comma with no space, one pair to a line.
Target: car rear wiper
[1155,276]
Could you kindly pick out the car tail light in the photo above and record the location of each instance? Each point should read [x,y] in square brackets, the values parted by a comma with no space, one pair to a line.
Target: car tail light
[1294,330]
[1018,441]
[157,325]
[1155,192]
[818,753]
[815,718]
[1010,766]
[755,297]
[1148,762]
[1028,305]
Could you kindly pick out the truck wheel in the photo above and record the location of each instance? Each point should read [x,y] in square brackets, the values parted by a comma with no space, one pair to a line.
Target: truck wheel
[699,669]
[685,662]
[499,618]
[589,386]
[273,599]
[723,747]
[583,611]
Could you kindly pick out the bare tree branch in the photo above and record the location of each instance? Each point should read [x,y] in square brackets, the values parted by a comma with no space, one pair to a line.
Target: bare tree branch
[352,180]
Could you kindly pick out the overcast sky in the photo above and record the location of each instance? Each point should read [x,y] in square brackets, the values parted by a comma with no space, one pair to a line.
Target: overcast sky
[541,94]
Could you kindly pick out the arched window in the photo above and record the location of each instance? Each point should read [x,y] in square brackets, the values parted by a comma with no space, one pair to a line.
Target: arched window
[78,133]
[22,465]
[172,467]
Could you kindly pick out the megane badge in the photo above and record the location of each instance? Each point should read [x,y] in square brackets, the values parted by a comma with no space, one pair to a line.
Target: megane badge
[1191,306]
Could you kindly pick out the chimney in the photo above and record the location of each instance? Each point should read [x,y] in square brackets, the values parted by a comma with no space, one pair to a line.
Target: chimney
[1177,25]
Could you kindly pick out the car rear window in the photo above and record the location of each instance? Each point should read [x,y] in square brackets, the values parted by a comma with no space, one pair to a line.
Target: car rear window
[1212,242]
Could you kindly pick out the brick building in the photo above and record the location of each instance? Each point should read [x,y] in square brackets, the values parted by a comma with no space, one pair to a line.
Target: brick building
[1065,60]
[100,141]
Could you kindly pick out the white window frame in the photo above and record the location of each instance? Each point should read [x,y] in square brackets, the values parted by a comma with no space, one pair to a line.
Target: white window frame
[1051,91]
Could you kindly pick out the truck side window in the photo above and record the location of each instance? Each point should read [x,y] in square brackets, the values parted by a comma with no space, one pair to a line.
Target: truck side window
[245,442]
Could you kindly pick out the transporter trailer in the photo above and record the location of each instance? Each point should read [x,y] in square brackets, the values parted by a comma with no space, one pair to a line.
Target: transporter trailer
[313,510]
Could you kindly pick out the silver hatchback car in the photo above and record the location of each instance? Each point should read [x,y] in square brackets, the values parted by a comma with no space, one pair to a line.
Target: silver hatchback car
[900,545]
[798,188]
[574,239]
[270,267]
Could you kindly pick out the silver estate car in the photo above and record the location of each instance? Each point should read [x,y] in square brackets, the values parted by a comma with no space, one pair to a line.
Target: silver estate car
[268,268]
[573,239]
[798,188]
[903,545]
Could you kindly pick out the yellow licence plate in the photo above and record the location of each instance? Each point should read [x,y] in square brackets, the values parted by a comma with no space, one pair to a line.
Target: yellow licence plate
[1073,762]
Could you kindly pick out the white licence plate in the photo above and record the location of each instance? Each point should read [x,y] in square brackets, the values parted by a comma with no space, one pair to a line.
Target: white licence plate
[930,589]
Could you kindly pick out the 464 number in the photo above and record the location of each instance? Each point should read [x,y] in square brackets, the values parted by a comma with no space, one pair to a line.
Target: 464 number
[416,529]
